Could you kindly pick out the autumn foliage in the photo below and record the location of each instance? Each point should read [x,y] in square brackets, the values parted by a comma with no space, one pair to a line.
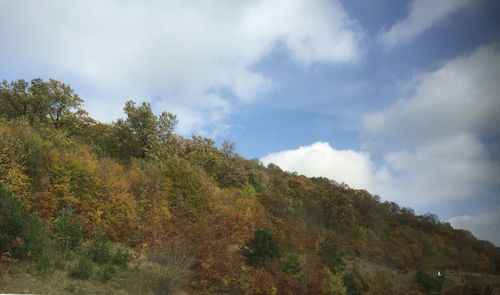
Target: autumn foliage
[231,224]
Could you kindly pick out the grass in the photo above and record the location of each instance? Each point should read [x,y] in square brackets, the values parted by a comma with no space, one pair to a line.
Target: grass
[22,279]
[114,277]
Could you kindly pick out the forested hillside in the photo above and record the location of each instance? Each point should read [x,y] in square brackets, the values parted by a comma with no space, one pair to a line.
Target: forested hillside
[132,200]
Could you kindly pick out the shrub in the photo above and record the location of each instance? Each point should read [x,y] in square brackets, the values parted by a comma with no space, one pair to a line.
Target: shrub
[120,258]
[106,272]
[83,270]
[174,267]
[21,233]
[472,285]
[43,263]
[333,283]
[355,284]
[100,250]
[74,289]
[261,248]
[290,264]
[67,231]
[428,283]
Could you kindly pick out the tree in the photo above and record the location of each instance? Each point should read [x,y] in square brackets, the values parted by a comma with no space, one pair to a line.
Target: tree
[67,231]
[14,99]
[21,233]
[334,284]
[331,255]
[61,101]
[229,148]
[142,131]
[38,101]
[262,248]
[339,212]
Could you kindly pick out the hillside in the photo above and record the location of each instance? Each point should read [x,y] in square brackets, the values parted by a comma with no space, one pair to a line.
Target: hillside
[132,206]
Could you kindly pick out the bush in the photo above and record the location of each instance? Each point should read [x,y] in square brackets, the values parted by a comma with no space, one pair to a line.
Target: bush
[67,231]
[43,263]
[83,270]
[100,250]
[333,283]
[261,248]
[290,264]
[74,289]
[174,267]
[428,283]
[21,233]
[106,272]
[120,258]
[355,284]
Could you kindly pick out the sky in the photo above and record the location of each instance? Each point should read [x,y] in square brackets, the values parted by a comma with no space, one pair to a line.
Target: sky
[401,98]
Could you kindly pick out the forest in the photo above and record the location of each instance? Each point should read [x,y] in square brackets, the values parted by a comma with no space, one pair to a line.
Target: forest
[131,207]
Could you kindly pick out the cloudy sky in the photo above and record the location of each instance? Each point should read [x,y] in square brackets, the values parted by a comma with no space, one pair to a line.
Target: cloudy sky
[401,98]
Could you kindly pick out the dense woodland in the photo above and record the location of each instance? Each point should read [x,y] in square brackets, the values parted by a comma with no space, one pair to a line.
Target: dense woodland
[95,200]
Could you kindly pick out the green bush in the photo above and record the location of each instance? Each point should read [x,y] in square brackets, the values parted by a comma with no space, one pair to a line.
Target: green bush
[74,289]
[100,250]
[333,283]
[106,272]
[428,283]
[83,270]
[290,264]
[120,258]
[355,284]
[21,233]
[261,248]
[44,263]
[67,230]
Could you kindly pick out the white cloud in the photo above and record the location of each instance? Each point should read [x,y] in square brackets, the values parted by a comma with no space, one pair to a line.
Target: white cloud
[181,53]
[452,168]
[462,96]
[432,138]
[320,159]
[422,15]
[484,225]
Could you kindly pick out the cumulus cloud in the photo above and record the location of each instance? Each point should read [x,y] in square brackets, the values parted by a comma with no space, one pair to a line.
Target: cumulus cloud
[452,168]
[320,159]
[193,57]
[422,15]
[461,96]
[484,225]
[435,140]
[436,144]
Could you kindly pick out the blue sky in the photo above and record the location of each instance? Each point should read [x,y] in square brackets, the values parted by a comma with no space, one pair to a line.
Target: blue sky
[399,97]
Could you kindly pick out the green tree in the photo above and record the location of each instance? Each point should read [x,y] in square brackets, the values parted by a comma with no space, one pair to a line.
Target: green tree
[14,99]
[142,131]
[331,255]
[38,101]
[333,283]
[67,230]
[21,233]
[62,101]
[263,247]
[290,264]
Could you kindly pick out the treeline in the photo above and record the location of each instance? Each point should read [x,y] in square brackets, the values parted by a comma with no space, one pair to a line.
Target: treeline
[245,228]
